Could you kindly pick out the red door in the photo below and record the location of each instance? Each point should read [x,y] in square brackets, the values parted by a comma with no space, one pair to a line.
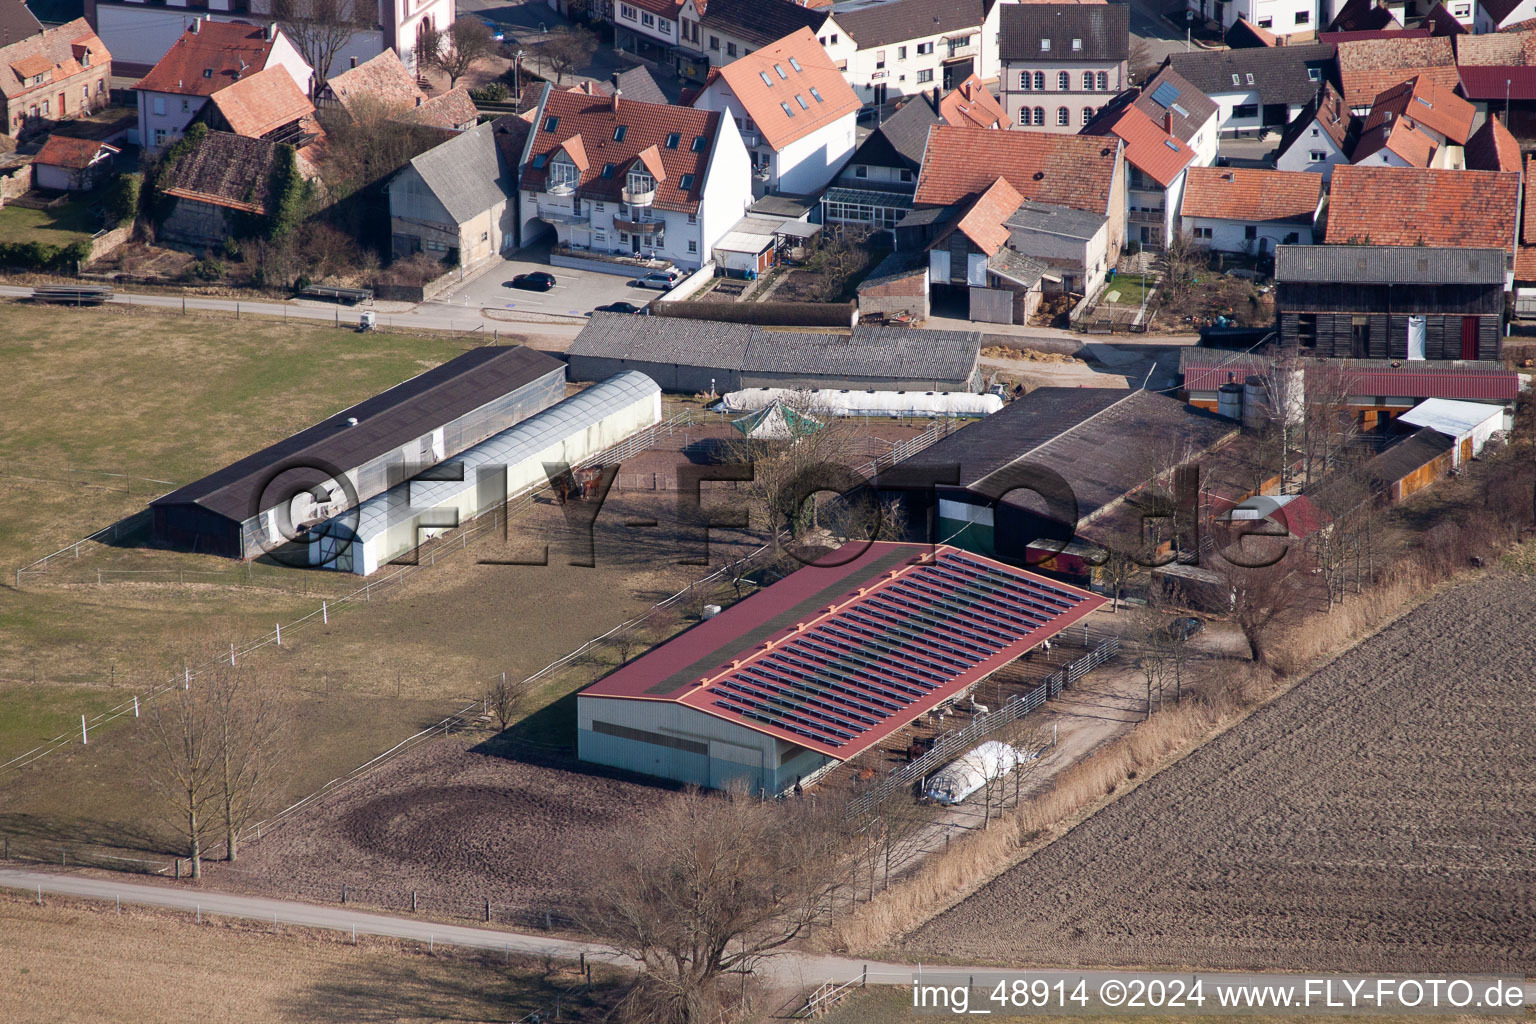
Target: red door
[1469,337]
[61,104]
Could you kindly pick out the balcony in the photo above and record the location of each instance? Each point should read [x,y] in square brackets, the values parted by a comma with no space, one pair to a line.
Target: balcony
[639,197]
[643,226]
[1146,216]
[568,212]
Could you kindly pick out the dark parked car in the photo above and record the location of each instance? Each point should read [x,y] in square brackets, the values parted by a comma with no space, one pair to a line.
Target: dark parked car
[1184,627]
[620,307]
[538,281]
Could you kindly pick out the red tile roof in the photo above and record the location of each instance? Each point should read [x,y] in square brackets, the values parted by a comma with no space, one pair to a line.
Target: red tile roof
[584,127]
[1417,206]
[986,222]
[1263,35]
[454,109]
[1493,148]
[837,658]
[1368,67]
[1148,147]
[382,79]
[76,154]
[59,50]
[1409,143]
[215,55]
[1209,369]
[784,102]
[1241,193]
[1525,263]
[262,102]
[972,105]
[1076,171]
[1373,33]
[1528,222]
[1492,83]
[1496,48]
[1428,103]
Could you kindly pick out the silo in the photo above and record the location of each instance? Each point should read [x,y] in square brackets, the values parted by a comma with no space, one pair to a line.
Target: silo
[1229,400]
[1255,403]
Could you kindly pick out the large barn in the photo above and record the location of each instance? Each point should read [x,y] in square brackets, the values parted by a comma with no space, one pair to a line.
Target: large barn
[253,506]
[820,666]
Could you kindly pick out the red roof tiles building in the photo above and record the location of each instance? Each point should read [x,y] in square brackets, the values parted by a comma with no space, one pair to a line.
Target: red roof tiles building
[1525,252]
[970,104]
[1417,206]
[263,104]
[382,81]
[1247,194]
[210,56]
[985,223]
[1399,138]
[1493,148]
[1369,67]
[789,88]
[1427,103]
[42,76]
[1148,146]
[1076,171]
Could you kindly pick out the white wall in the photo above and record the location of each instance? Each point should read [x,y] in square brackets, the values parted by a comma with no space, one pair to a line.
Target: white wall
[1299,158]
[804,166]
[901,75]
[1204,142]
[727,188]
[1484,23]
[164,112]
[1231,235]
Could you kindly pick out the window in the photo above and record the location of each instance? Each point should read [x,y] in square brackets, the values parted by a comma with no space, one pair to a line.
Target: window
[607,170]
[834,38]
[693,246]
[673,139]
[1087,114]
[666,28]
[1203,233]
[699,142]
[801,100]
[879,59]
[1103,81]
[101,86]
[1087,81]
[539,162]
[619,132]
[1246,110]
[1235,80]
[85,59]
[816,95]
[1063,116]
[924,49]
[925,76]
[1317,156]
[1249,77]
[730,49]
[45,108]
[693,218]
[906,175]
[1045,46]
[1250,231]
[648,19]
[1024,80]
[551,123]
[627,12]
[1063,80]
[795,63]
[1315,132]
[685,182]
[1040,116]
[860,171]
[1266,22]
[159,132]
[901,53]
[623,237]
[787,112]
[637,181]
[600,207]
[563,172]
[1303,17]
[766,80]
[1315,74]
[1039,81]
[158,105]
[1024,116]
[714,43]
[1077,46]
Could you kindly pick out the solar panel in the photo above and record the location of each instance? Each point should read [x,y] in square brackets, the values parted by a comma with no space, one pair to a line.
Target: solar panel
[1165,94]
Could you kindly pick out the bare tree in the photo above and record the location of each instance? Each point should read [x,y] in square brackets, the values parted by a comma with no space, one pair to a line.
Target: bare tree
[366,144]
[711,885]
[565,50]
[1143,63]
[182,766]
[1264,597]
[319,29]
[249,722]
[466,43]
[505,699]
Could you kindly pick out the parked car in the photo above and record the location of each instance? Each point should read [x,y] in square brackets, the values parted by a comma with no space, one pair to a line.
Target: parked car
[496,30]
[1184,627]
[620,307]
[538,281]
[662,280]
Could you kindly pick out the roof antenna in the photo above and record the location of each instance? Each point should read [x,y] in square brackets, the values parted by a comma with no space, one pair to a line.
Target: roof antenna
[1148,377]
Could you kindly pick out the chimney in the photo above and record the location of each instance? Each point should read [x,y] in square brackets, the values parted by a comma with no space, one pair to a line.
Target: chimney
[1168,121]
[193,27]
[935,97]
[351,62]
[616,92]
[271,32]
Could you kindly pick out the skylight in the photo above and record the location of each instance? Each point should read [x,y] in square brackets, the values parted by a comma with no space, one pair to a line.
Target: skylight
[551,123]
[801,100]
[673,139]
[619,133]
[783,75]
[699,142]
[795,64]
[764,76]
[787,112]
[539,161]
[816,95]
[1180,110]
[1171,145]
[607,170]
[685,182]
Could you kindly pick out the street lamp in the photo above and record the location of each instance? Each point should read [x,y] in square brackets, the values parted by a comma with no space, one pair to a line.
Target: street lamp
[517,75]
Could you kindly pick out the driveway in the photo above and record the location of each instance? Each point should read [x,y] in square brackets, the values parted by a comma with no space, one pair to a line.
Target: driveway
[575,293]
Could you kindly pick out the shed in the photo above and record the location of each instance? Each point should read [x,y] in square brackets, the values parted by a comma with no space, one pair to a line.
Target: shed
[820,667]
[72,165]
[255,505]
[508,464]
[1469,424]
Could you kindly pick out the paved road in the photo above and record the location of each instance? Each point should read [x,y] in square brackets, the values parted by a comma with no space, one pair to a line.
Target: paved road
[789,969]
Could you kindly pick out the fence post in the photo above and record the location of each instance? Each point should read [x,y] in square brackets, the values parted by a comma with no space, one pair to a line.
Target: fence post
[413,901]
[85,737]
[279,634]
[135,705]
[343,892]
[325,615]
[488,912]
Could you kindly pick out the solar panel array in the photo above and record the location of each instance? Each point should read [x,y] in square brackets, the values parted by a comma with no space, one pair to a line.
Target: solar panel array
[886,655]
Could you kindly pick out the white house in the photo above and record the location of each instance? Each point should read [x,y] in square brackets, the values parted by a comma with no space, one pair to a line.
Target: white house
[209,56]
[1158,163]
[1261,87]
[140,33]
[1493,15]
[457,200]
[712,33]
[794,110]
[891,48]
[1288,19]
[1321,137]
[1244,210]
[621,177]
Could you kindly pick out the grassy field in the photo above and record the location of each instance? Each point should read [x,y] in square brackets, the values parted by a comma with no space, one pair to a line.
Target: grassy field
[72,222]
[149,966]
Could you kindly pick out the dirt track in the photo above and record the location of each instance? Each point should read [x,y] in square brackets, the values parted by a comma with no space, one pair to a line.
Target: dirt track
[1377,817]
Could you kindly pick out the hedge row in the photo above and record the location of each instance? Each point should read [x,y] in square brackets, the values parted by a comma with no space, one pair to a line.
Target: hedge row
[764,314]
[38,256]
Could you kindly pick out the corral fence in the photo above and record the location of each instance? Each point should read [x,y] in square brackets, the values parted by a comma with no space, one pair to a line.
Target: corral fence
[957,741]
[59,853]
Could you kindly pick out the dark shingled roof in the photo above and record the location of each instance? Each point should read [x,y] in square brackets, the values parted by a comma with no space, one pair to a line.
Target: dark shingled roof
[1279,73]
[16,22]
[386,421]
[1197,106]
[882,22]
[1388,264]
[1103,29]
[761,21]
[226,170]
[901,138]
[1342,492]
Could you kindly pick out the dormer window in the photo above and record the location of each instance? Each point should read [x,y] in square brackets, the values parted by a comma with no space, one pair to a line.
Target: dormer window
[1045,46]
[563,171]
[795,64]
[640,181]
[207,72]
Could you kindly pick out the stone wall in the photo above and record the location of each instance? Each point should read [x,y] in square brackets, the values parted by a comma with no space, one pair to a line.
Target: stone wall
[195,223]
[15,183]
[109,240]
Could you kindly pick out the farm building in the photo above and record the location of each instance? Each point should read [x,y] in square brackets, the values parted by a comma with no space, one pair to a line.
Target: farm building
[1469,424]
[1375,389]
[251,507]
[703,355]
[1390,301]
[1050,463]
[512,462]
[1409,466]
[819,667]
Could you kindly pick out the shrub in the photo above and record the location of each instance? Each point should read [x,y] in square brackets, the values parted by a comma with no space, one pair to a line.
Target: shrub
[208,270]
[230,249]
[491,92]
[122,199]
[40,256]
[301,283]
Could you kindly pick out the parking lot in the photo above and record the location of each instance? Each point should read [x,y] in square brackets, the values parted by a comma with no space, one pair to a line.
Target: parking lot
[575,293]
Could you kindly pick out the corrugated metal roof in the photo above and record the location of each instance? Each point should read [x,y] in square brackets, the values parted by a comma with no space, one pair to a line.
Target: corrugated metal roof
[386,421]
[837,658]
[1470,380]
[1388,264]
[1451,417]
[511,447]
